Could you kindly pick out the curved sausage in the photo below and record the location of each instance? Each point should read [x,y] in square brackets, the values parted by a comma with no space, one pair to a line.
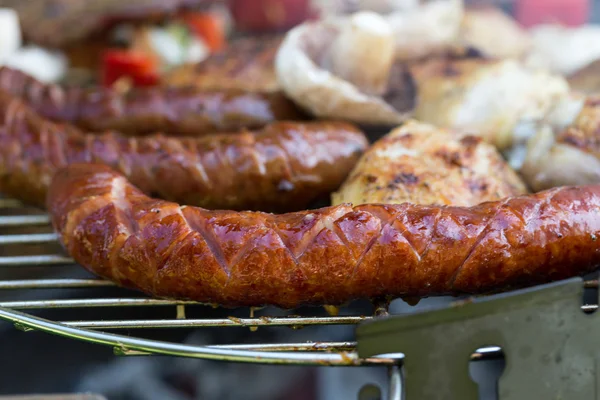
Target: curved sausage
[284,166]
[183,111]
[326,256]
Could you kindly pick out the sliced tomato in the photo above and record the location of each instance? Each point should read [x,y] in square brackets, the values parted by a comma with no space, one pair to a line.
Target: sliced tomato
[207,27]
[139,67]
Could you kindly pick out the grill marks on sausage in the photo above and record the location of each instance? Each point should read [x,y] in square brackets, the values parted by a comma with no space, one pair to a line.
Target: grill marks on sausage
[184,111]
[238,171]
[330,255]
[478,240]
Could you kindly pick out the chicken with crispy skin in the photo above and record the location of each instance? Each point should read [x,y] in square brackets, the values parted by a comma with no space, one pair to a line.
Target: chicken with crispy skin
[498,99]
[566,150]
[564,50]
[421,164]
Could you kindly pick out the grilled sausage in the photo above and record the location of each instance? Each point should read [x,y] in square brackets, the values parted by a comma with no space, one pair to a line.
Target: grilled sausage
[325,256]
[176,111]
[284,166]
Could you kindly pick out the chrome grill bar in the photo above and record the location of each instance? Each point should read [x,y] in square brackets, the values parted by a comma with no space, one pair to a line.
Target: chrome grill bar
[130,345]
[34,238]
[308,346]
[278,347]
[79,303]
[54,283]
[41,260]
[24,220]
[218,322]
[483,353]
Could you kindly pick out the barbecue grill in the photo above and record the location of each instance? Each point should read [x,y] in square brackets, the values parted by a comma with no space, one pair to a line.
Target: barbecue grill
[17,219]
[14,242]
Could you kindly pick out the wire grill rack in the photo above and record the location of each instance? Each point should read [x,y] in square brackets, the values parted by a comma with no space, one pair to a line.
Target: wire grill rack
[22,228]
[25,227]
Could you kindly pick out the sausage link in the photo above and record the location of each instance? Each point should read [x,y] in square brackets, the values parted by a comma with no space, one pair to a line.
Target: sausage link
[183,111]
[326,256]
[284,166]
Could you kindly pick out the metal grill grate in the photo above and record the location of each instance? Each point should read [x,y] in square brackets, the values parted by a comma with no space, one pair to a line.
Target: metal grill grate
[13,240]
[92,330]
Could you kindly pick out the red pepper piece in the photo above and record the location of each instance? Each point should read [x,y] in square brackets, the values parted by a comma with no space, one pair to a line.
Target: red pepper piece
[208,28]
[140,68]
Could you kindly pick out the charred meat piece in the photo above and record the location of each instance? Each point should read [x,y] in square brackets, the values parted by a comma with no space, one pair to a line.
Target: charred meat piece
[246,63]
[566,153]
[178,111]
[418,163]
[284,166]
[327,256]
[499,100]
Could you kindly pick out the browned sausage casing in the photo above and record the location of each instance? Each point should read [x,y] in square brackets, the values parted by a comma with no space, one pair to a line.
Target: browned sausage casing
[183,111]
[326,256]
[284,166]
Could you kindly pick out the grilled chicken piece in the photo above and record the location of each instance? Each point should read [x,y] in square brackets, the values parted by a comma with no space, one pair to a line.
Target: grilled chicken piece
[561,155]
[421,164]
[245,64]
[343,68]
[564,50]
[497,99]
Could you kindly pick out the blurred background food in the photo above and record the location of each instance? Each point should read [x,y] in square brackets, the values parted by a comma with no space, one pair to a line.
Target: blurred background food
[75,41]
